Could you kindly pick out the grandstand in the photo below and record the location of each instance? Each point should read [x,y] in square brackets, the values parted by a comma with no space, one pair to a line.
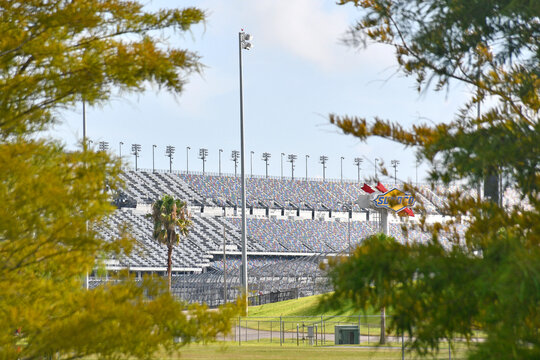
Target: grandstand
[292,225]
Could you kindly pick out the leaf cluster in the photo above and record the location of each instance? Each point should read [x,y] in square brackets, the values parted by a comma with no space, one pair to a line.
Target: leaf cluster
[54,54]
[486,277]
[171,219]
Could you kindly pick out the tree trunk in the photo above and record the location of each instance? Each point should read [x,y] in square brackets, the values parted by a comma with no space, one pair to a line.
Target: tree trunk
[169,265]
[382,339]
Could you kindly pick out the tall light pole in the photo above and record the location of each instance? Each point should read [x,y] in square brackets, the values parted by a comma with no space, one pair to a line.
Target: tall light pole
[358,162]
[341,167]
[187,159]
[395,163]
[307,156]
[323,160]
[169,152]
[376,160]
[135,150]
[292,158]
[219,154]
[266,156]
[120,148]
[243,44]
[203,154]
[282,154]
[251,162]
[153,164]
[235,155]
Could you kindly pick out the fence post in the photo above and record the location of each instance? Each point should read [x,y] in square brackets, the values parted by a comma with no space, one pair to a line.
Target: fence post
[449,351]
[258,330]
[359,330]
[246,330]
[297,340]
[316,333]
[239,332]
[368,332]
[271,332]
[322,330]
[280,334]
[402,345]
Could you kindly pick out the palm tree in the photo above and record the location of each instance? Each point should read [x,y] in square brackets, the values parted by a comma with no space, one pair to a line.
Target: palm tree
[171,219]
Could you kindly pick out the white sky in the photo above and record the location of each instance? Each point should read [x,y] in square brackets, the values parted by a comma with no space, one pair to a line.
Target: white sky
[296,74]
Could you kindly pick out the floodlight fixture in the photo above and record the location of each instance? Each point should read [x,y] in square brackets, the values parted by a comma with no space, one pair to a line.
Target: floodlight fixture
[266,156]
[120,148]
[358,162]
[292,158]
[323,159]
[136,150]
[203,154]
[103,146]
[169,152]
[235,156]
[395,163]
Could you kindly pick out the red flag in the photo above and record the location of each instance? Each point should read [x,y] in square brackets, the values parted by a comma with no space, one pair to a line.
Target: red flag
[368,189]
[381,187]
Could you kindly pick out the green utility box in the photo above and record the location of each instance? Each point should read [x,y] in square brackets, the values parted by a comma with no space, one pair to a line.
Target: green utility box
[347,334]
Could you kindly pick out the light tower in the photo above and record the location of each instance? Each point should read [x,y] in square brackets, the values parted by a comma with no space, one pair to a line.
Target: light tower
[235,155]
[153,163]
[323,160]
[307,156]
[266,156]
[103,146]
[243,44]
[169,152]
[341,167]
[358,162]
[203,154]
[292,158]
[219,168]
[135,150]
[395,163]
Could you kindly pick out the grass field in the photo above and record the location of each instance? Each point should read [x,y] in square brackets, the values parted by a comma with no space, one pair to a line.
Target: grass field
[307,306]
[228,351]
[305,312]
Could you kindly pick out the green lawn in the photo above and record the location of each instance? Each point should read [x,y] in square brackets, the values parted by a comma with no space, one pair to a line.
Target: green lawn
[306,306]
[306,311]
[226,351]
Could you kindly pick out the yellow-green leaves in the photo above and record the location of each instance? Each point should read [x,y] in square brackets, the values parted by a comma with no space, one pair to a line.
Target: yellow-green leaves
[53,54]
[486,277]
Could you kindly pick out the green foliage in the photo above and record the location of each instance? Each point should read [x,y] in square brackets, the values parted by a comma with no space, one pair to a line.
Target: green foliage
[488,279]
[171,219]
[52,55]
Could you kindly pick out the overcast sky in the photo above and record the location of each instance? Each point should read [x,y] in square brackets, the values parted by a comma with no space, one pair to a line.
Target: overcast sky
[297,73]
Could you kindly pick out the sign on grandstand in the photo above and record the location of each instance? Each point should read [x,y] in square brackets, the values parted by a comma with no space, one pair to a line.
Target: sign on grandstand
[394,199]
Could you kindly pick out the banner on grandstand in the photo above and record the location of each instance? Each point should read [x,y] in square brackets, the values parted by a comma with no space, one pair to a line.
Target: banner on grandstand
[394,199]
